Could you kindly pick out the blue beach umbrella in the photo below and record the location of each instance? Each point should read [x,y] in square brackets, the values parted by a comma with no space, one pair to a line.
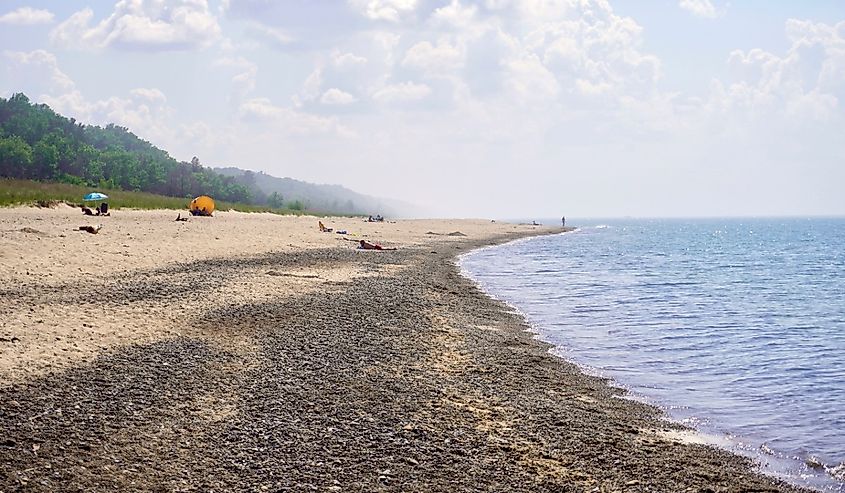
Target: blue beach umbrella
[95,196]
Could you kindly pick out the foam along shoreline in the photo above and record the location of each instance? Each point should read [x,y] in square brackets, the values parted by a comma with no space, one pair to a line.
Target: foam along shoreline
[284,359]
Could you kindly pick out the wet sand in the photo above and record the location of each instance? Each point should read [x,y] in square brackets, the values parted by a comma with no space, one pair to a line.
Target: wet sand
[312,367]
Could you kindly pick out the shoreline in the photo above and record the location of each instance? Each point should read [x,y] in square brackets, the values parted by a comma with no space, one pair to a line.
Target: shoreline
[769,465]
[336,370]
[806,470]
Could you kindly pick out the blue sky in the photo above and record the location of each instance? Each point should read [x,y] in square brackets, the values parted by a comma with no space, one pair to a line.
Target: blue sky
[499,108]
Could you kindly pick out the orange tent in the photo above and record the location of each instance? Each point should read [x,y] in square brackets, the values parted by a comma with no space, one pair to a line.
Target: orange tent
[202,206]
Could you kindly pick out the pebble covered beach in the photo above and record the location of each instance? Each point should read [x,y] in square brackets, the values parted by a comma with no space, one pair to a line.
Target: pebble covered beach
[278,358]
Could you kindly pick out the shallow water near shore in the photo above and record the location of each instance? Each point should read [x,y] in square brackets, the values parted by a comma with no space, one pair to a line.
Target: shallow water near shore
[735,326]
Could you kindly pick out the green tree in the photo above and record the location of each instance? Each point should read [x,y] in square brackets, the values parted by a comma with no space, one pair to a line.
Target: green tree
[45,161]
[15,157]
[275,200]
[120,167]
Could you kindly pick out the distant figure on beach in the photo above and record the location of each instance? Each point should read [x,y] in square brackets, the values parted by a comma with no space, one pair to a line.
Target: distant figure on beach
[91,229]
[534,223]
[323,228]
[87,211]
[563,222]
[366,245]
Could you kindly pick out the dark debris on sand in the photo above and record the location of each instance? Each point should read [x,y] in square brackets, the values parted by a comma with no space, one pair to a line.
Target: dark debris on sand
[408,381]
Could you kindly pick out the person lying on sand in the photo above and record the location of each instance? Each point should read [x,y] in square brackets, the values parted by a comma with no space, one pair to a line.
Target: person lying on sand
[91,229]
[323,228]
[366,245]
[87,211]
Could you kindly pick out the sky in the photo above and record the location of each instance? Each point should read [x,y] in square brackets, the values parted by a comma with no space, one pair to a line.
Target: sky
[468,108]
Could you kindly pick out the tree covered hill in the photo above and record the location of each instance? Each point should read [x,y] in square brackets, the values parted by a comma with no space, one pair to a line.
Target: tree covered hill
[318,197]
[37,143]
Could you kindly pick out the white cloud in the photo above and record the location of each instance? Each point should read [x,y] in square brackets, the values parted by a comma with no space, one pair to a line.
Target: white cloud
[27,16]
[346,60]
[699,8]
[144,112]
[529,80]
[39,65]
[260,108]
[337,97]
[402,92]
[387,10]
[807,82]
[385,42]
[74,32]
[274,37]
[245,74]
[442,57]
[38,74]
[312,87]
[150,95]
[807,36]
[510,52]
[456,15]
[588,88]
[538,10]
[599,48]
[286,121]
[142,25]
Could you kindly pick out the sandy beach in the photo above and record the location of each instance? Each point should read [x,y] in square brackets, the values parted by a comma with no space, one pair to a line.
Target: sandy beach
[250,352]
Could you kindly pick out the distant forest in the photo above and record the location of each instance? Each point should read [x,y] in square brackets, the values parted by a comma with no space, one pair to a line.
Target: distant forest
[36,143]
[39,144]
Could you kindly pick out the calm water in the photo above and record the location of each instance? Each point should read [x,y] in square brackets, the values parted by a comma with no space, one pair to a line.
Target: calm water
[736,327]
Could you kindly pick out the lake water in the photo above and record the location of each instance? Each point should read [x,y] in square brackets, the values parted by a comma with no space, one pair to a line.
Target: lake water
[735,327]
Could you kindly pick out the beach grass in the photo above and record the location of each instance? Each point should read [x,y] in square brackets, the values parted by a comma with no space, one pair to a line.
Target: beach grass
[35,193]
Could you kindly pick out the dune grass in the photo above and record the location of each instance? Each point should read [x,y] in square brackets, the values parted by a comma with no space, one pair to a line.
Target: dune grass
[27,192]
